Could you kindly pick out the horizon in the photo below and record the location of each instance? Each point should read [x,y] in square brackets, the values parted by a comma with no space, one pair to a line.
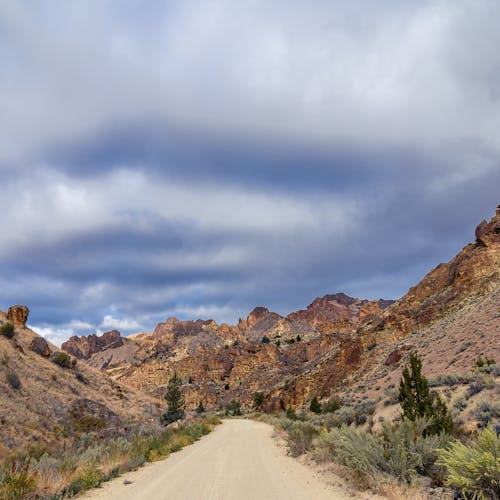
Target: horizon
[199,160]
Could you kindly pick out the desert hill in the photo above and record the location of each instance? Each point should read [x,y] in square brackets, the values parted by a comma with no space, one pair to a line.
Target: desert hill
[48,397]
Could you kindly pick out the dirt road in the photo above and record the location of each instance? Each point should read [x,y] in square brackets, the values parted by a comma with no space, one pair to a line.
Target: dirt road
[239,460]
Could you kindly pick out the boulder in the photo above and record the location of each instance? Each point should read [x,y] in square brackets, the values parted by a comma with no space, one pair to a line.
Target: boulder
[393,358]
[40,346]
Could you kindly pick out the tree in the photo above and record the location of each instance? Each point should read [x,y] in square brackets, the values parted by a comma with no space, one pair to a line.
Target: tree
[258,399]
[315,405]
[265,339]
[175,401]
[200,409]
[416,399]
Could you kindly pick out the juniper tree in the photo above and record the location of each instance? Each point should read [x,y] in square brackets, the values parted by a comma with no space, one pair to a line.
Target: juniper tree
[315,405]
[416,399]
[175,401]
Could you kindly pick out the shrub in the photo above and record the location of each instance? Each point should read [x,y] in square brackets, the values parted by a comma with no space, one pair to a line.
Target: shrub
[13,380]
[258,399]
[90,477]
[62,359]
[481,363]
[290,413]
[200,408]
[331,406]
[7,330]
[300,437]
[401,450]
[233,408]
[474,470]
[16,481]
[362,452]
[449,379]
[487,412]
[299,338]
[175,401]
[226,387]
[315,405]
[265,339]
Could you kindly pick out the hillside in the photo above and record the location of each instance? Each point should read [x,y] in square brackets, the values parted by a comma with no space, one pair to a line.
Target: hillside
[48,398]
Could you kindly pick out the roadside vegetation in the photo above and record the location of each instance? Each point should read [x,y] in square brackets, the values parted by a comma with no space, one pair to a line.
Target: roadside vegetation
[423,448]
[92,461]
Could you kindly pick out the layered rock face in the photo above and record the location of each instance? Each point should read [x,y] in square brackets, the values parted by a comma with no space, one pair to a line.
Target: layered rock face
[84,347]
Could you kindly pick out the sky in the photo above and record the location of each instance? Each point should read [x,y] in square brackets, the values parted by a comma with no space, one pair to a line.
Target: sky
[200,158]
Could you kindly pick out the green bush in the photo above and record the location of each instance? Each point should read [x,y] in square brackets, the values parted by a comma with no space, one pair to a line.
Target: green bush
[331,406]
[401,450]
[480,363]
[475,469]
[62,359]
[7,330]
[290,413]
[300,437]
[265,339]
[315,405]
[258,399]
[233,408]
[200,408]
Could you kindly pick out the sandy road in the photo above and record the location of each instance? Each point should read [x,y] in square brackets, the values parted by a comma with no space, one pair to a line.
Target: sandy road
[239,460]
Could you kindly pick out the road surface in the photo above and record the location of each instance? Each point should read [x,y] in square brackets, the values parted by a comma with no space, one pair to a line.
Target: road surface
[239,460]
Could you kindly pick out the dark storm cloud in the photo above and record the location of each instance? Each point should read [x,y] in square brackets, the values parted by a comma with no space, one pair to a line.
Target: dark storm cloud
[198,159]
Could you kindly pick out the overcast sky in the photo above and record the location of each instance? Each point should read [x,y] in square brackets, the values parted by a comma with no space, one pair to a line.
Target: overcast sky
[199,158]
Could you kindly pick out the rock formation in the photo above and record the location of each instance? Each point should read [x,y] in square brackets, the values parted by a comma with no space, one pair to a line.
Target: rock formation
[84,347]
[18,315]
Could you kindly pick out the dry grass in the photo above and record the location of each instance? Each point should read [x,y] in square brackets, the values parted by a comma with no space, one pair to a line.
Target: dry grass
[87,464]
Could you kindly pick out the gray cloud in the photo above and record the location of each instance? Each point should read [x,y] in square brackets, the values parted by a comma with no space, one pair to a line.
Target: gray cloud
[203,158]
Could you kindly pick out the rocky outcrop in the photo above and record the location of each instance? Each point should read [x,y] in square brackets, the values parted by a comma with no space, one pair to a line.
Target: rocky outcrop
[339,312]
[85,347]
[18,315]
[473,273]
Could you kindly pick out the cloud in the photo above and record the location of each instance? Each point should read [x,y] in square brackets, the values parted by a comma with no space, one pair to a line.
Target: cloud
[203,158]
[120,324]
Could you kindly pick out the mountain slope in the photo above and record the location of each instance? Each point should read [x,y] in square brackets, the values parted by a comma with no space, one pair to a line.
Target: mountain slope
[45,404]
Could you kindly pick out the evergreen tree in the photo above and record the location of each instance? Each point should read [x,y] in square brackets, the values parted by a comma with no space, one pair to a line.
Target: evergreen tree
[200,409]
[175,401]
[416,399]
[315,405]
